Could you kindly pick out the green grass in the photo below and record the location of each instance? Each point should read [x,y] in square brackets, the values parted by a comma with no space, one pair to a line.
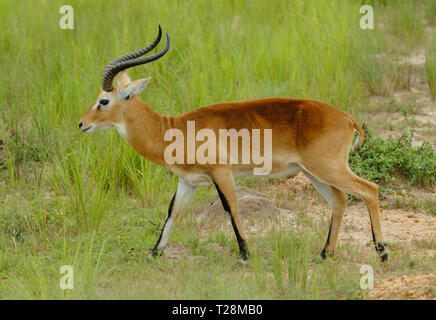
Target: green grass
[430,70]
[86,200]
[430,12]
[407,21]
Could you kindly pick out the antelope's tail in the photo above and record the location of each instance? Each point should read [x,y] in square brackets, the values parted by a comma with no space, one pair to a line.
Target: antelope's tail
[360,136]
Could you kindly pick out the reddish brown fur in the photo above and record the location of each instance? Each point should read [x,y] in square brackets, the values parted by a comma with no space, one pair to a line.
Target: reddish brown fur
[309,134]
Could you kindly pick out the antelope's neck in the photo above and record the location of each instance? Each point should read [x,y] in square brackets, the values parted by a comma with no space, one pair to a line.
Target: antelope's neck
[144,130]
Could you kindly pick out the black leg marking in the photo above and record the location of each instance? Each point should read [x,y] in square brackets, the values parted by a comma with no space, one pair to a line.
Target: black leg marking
[324,254]
[379,246]
[155,251]
[243,248]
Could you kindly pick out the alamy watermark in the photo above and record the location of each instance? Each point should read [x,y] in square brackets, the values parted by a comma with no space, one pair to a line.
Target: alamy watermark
[67,280]
[367,279]
[367,20]
[211,151]
[67,20]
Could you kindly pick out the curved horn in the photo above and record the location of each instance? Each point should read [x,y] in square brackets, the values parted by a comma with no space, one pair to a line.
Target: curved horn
[130,60]
[138,53]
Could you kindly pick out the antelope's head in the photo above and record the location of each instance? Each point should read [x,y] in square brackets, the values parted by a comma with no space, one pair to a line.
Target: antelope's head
[108,110]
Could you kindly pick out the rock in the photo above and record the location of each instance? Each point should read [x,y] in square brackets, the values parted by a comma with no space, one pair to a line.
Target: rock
[250,204]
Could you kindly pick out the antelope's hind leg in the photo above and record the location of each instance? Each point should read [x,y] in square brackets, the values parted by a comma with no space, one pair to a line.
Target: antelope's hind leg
[368,192]
[342,178]
[184,193]
[337,201]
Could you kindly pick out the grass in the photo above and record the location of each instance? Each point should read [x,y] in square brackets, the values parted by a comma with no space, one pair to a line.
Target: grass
[430,12]
[85,200]
[407,21]
[430,70]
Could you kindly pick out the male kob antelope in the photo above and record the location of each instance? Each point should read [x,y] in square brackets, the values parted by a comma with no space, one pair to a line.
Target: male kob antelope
[306,135]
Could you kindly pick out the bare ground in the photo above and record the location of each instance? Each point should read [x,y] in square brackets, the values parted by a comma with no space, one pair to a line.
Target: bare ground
[420,287]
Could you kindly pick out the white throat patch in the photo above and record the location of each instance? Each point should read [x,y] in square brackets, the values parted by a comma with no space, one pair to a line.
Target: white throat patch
[121,128]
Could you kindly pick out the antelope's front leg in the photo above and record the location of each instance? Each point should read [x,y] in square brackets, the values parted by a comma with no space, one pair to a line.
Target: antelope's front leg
[184,193]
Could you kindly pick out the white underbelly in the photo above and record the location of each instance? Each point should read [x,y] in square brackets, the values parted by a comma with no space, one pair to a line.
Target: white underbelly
[199,179]
[288,170]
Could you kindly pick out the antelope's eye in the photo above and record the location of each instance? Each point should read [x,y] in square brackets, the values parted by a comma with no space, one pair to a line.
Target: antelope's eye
[104,102]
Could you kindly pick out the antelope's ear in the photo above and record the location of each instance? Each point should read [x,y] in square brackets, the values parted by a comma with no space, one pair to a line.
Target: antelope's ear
[134,87]
[123,78]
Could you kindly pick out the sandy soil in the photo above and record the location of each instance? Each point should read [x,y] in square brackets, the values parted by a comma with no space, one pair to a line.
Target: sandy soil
[420,287]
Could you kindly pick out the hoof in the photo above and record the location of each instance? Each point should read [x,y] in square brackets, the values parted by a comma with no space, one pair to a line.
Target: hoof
[384,257]
[155,253]
[244,255]
[325,254]
[380,248]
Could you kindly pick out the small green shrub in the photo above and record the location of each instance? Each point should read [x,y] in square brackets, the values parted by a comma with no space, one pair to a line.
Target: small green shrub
[384,160]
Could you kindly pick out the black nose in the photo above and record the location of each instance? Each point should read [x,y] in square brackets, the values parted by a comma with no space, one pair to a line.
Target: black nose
[80,124]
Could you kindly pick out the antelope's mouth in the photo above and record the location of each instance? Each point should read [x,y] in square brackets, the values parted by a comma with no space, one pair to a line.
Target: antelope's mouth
[87,128]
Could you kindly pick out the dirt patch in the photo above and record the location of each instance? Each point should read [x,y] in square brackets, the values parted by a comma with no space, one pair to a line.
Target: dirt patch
[398,225]
[410,287]
[429,117]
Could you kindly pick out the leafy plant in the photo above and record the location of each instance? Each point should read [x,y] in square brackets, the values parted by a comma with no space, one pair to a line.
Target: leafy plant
[383,160]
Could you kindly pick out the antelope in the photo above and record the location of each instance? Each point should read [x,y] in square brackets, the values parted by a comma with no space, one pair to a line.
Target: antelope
[307,136]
